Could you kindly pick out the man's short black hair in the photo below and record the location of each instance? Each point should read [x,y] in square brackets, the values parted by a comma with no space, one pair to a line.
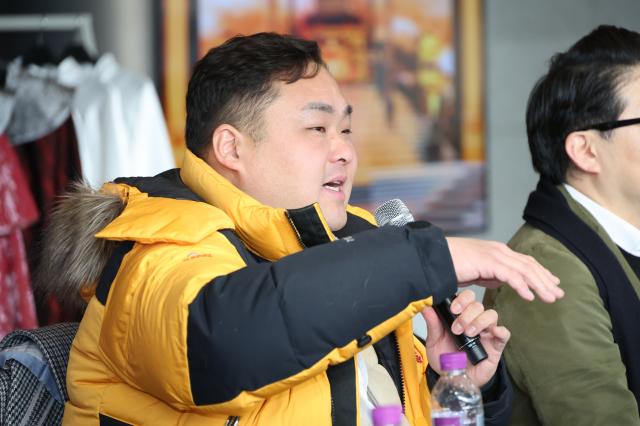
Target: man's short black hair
[580,89]
[233,83]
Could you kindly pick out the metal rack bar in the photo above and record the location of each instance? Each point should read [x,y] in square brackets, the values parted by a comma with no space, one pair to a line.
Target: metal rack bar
[81,22]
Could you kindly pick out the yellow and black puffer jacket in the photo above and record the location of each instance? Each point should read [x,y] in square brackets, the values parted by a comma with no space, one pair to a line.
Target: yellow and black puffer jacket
[215,309]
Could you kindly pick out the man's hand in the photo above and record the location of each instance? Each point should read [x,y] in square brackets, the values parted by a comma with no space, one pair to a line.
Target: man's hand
[489,264]
[473,320]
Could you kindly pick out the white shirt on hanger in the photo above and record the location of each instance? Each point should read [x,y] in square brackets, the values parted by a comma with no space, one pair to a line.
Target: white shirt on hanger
[118,121]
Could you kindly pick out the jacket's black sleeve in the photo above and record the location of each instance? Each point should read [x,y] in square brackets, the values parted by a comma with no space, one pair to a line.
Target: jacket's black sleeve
[269,321]
[497,396]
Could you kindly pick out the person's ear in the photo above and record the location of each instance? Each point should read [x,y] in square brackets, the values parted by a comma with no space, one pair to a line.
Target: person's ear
[582,149]
[225,147]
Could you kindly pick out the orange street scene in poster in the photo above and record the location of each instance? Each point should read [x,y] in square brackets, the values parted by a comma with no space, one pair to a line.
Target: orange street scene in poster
[412,69]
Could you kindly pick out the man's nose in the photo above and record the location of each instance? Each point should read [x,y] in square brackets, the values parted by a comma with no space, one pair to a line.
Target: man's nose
[342,149]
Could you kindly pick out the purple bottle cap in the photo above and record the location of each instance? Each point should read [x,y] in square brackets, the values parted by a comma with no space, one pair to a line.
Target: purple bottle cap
[387,415]
[453,361]
[453,420]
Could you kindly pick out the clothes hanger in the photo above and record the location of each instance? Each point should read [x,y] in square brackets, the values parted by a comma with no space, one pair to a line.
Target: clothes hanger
[40,53]
[77,49]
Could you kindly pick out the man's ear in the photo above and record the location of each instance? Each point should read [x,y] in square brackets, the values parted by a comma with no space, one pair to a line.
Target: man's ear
[582,149]
[225,143]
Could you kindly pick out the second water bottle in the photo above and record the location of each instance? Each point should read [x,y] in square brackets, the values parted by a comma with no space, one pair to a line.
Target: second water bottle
[455,399]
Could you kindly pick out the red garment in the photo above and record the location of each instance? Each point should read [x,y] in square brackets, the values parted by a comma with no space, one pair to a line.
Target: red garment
[17,212]
[51,163]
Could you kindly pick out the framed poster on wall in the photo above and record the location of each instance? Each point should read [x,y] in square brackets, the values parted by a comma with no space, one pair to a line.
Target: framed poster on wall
[412,69]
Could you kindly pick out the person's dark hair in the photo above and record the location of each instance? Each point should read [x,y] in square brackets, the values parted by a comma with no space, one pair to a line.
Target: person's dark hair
[580,89]
[233,83]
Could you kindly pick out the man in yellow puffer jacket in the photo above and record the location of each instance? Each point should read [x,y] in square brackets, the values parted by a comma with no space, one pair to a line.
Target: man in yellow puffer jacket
[243,289]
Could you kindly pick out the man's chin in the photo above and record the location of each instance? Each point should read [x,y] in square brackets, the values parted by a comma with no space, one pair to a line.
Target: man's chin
[335,214]
[337,222]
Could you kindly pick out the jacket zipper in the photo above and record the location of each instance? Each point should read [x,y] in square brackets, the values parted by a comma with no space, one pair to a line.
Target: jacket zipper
[397,345]
[232,421]
[293,225]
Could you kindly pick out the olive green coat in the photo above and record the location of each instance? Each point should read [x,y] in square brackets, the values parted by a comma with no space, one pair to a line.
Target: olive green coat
[565,367]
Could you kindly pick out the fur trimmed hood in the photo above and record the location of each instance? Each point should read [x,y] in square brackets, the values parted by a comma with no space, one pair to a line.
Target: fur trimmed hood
[72,258]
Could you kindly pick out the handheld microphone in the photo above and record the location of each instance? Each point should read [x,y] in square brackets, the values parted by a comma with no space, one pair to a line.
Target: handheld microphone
[395,213]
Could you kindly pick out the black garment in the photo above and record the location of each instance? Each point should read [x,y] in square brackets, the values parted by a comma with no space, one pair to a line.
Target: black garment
[497,394]
[634,261]
[548,210]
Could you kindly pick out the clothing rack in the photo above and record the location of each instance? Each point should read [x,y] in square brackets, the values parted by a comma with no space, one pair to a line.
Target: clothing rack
[80,22]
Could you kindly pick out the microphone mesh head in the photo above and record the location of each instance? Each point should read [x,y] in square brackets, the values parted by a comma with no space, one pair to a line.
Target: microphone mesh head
[393,212]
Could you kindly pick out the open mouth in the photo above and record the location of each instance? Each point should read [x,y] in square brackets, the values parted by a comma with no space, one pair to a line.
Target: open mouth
[334,185]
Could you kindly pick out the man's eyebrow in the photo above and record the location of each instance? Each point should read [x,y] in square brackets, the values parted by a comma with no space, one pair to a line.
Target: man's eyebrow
[321,106]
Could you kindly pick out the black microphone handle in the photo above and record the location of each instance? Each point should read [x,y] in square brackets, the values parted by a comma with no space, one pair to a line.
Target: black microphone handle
[471,345]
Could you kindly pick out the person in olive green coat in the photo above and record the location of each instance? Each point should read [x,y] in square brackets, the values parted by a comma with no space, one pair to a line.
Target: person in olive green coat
[577,362]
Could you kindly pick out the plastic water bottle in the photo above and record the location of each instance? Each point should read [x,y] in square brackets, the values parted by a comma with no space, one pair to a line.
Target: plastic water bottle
[387,415]
[455,399]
